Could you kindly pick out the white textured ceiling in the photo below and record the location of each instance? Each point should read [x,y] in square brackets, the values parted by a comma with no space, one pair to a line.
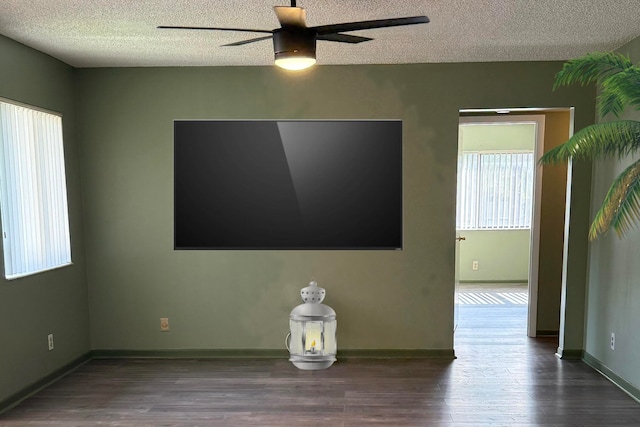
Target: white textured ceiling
[113,33]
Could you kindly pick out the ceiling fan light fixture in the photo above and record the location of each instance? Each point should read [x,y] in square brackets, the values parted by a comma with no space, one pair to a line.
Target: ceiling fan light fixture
[295,61]
[294,49]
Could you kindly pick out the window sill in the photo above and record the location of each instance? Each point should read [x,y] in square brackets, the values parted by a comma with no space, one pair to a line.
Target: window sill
[31,273]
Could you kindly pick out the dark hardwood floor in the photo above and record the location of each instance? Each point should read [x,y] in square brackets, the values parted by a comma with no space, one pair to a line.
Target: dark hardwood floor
[501,378]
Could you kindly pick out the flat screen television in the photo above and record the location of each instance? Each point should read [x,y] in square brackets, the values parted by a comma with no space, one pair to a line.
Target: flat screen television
[288,184]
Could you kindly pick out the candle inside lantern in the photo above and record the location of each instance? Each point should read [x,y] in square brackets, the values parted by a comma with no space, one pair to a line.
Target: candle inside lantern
[313,337]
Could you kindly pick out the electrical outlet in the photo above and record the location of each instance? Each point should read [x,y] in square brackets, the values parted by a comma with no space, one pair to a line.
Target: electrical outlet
[613,341]
[164,324]
[474,265]
[50,341]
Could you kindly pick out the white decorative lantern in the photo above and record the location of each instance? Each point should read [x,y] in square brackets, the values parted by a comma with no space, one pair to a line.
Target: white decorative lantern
[312,331]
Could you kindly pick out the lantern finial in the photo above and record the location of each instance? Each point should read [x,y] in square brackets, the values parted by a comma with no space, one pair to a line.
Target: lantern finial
[312,294]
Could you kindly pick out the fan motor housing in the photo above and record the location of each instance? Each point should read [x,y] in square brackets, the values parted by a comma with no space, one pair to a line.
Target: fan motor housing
[289,42]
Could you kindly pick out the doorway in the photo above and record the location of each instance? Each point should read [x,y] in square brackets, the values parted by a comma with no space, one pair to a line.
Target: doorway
[498,223]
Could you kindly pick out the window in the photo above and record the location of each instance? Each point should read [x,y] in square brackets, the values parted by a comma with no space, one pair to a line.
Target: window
[33,192]
[495,191]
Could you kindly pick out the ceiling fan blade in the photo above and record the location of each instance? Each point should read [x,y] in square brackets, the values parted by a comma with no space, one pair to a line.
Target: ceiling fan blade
[343,38]
[366,25]
[240,43]
[247,30]
[291,16]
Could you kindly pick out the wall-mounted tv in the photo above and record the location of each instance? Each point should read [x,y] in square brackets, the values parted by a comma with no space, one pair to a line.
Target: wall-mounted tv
[288,184]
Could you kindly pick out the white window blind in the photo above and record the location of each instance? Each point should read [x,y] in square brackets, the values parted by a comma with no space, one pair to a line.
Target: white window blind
[495,191]
[33,192]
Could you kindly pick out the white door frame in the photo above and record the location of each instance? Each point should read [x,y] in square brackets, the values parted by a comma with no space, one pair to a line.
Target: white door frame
[534,241]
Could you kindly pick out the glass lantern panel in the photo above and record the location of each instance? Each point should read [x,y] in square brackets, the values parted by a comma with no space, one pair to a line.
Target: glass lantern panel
[297,329]
[330,344]
[313,337]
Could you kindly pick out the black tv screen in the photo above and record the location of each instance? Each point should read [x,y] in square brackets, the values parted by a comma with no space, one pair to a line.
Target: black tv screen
[288,184]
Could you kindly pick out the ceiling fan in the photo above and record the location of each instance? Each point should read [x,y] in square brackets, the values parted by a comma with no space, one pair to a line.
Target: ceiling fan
[294,43]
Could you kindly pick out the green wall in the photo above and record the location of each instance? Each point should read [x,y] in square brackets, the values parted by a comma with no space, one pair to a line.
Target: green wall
[502,255]
[241,299]
[495,137]
[56,301]
[614,279]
